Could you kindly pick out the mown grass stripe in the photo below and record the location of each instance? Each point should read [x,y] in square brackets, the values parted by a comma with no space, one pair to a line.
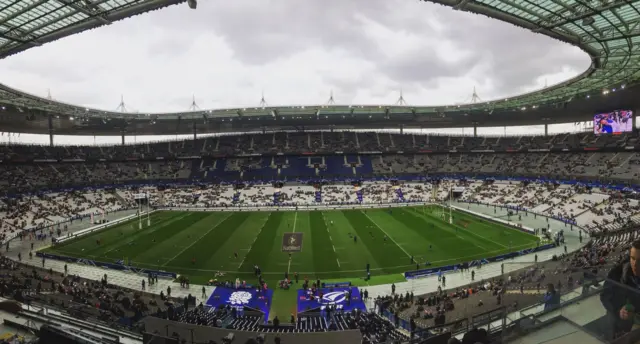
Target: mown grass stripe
[146,242]
[201,234]
[386,254]
[109,234]
[264,244]
[206,246]
[436,234]
[123,235]
[324,256]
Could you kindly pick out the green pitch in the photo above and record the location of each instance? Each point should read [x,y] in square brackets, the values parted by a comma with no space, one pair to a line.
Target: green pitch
[199,244]
[202,245]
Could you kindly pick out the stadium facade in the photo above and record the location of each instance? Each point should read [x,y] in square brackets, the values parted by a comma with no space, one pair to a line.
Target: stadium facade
[304,157]
[607,32]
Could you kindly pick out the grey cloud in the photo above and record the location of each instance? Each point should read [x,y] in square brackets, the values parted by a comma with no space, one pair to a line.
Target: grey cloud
[422,68]
[53,69]
[169,45]
[345,89]
[262,31]
[515,57]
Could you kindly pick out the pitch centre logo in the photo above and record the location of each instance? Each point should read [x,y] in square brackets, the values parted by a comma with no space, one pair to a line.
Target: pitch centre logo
[240,298]
[333,298]
[292,242]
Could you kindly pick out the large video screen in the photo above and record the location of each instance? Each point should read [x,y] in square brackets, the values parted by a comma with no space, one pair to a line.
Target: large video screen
[613,123]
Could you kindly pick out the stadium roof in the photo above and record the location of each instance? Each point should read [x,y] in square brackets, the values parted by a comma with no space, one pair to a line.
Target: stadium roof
[608,30]
[30,23]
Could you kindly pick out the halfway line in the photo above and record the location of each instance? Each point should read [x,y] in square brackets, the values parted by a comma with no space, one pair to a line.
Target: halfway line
[295,218]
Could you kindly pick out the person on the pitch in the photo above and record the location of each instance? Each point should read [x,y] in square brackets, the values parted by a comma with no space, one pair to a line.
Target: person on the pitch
[235,254]
[193,261]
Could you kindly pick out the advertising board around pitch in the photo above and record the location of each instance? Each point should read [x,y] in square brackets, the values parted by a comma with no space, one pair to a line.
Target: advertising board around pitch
[292,242]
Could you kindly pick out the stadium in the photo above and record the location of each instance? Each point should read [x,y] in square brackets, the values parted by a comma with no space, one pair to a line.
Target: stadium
[328,223]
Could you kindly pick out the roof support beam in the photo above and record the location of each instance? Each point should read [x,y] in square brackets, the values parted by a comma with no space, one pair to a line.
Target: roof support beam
[608,35]
[461,5]
[581,11]
[82,8]
[24,10]
[58,19]
[523,9]
[550,21]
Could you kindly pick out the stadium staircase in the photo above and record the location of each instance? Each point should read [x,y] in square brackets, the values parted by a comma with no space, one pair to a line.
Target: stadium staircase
[318,196]
[119,197]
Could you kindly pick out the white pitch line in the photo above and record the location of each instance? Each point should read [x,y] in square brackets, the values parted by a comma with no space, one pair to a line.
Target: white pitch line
[137,237]
[388,236]
[196,241]
[254,241]
[295,219]
[330,238]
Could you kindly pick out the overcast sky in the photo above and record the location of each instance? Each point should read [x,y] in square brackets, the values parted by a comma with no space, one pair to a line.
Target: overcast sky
[226,53]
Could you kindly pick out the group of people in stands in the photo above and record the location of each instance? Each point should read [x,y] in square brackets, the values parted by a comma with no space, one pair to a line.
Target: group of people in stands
[314,141]
[80,296]
[544,282]
[596,209]
[54,210]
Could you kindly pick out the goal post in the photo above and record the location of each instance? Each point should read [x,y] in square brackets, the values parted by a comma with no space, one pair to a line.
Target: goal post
[446,213]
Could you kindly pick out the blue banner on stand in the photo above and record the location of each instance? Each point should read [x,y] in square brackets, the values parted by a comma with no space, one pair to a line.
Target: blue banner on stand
[240,298]
[330,296]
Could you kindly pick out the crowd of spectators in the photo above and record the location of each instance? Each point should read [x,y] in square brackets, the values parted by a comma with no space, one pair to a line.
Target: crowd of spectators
[280,142]
[543,283]
[595,209]
[32,202]
[100,300]
[81,297]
